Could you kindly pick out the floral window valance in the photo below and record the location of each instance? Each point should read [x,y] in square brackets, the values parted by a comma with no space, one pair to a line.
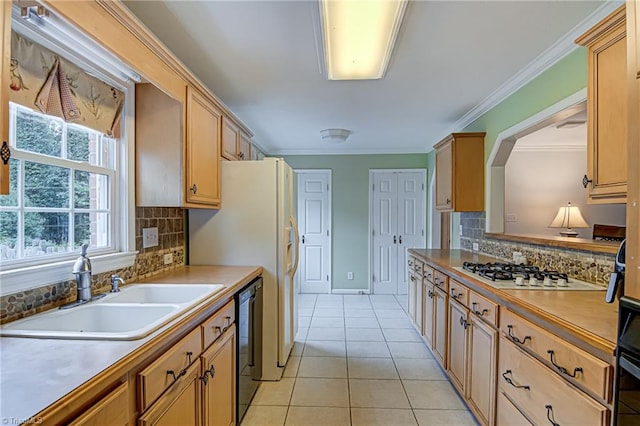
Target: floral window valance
[43,80]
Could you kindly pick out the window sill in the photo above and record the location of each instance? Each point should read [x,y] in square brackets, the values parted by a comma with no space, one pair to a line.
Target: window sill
[16,280]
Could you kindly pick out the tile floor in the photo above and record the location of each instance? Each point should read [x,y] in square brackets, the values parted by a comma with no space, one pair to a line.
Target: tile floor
[357,360]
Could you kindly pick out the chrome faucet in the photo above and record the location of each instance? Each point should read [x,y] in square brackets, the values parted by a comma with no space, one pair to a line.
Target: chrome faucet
[82,271]
[115,280]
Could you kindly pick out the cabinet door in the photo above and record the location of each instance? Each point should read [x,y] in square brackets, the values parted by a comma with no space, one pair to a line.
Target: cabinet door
[427,315]
[444,177]
[411,300]
[179,405]
[481,371]
[219,389]
[419,304]
[5,59]
[113,409]
[244,147]
[457,363]
[203,159]
[440,326]
[230,135]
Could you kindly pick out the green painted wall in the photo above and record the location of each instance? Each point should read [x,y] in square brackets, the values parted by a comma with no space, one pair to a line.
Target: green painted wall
[350,204]
[563,79]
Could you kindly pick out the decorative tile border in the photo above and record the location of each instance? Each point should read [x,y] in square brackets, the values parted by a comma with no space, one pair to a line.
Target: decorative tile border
[149,262]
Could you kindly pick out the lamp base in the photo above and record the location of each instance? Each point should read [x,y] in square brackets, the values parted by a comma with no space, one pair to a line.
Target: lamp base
[569,233]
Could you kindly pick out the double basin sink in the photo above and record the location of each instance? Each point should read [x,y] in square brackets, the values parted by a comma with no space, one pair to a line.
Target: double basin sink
[134,312]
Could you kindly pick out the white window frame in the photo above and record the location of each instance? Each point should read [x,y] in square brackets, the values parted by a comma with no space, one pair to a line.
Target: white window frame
[41,272]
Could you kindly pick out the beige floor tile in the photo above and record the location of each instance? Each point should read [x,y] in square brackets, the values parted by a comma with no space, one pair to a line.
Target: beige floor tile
[274,393]
[386,305]
[323,367]
[365,334]
[301,335]
[401,335]
[382,417]
[328,312]
[444,418]
[354,322]
[372,368]
[304,321]
[305,312]
[291,370]
[432,395]
[298,347]
[368,350]
[325,348]
[409,350]
[390,313]
[327,322]
[359,313]
[395,323]
[326,333]
[377,394]
[264,416]
[419,369]
[318,416]
[320,393]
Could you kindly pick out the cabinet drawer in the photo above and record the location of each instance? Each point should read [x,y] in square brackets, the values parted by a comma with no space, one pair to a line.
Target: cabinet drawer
[595,375]
[410,262]
[427,273]
[441,281]
[484,308]
[458,292]
[417,267]
[507,414]
[158,376]
[113,409]
[217,324]
[541,394]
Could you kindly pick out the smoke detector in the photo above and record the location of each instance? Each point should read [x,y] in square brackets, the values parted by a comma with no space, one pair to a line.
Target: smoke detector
[334,135]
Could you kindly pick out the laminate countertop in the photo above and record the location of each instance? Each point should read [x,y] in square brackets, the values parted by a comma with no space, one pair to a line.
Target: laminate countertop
[35,373]
[581,317]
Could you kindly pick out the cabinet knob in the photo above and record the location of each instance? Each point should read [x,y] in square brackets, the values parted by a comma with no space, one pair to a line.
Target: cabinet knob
[448,201]
[5,153]
[241,155]
[194,188]
[586,181]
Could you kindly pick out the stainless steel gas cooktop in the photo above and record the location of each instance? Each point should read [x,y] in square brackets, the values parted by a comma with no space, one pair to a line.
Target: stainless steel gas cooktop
[511,276]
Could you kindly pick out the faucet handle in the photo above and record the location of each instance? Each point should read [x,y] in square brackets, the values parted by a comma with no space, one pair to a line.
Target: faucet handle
[115,281]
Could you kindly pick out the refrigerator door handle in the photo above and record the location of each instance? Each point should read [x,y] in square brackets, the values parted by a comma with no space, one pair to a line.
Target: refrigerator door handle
[294,225]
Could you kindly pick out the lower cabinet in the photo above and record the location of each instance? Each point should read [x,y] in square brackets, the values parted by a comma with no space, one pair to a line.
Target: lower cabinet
[411,300]
[439,346]
[113,409]
[481,369]
[457,365]
[508,414]
[427,313]
[219,381]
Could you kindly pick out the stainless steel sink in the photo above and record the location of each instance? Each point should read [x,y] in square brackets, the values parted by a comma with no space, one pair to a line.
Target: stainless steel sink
[131,314]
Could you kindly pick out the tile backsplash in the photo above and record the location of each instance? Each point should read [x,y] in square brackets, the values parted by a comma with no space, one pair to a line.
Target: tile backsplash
[149,261]
[582,265]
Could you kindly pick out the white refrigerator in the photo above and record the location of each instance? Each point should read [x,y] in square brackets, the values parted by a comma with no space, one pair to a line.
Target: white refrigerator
[255,226]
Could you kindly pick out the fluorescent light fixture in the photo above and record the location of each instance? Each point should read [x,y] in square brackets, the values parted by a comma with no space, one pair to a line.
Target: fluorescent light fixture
[359,36]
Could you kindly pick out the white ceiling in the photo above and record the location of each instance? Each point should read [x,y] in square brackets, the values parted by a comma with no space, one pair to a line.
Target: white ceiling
[260,58]
[572,136]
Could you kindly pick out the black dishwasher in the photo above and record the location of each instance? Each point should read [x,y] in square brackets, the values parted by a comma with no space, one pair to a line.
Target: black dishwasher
[249,344]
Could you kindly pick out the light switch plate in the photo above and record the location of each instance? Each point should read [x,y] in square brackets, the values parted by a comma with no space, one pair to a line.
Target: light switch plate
[149,237]
[168,258]
[349,275]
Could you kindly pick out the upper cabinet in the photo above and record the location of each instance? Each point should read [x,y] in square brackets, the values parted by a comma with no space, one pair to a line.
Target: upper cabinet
[460,173]
[606,178]
[5,59]
[236,145]
[244,147]
[176,168]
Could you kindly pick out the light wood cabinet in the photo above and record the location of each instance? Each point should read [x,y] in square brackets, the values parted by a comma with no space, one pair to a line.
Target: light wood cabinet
[460,172]
[481,369]
[508,414]
[606,178]
[174,167]
[113,410]
[428,296]
[439,347]
[5,60]
[219,381]
[203,156]
[244,147]
[230,136]
[180,404]
[632,273]
[411,298]
[457,345]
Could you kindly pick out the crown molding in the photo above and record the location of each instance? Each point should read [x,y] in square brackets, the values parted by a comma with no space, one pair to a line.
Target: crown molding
[533,69]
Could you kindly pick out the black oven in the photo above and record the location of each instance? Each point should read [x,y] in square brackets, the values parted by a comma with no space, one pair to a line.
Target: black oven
[627,380]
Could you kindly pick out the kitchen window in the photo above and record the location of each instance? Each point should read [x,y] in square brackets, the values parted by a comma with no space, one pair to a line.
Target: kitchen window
[71,169]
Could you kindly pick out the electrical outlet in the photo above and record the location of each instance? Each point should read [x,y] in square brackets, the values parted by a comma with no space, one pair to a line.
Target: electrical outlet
[510,217]
[349,275]
[168,258]
[475,246]
[516,256]
[149,237]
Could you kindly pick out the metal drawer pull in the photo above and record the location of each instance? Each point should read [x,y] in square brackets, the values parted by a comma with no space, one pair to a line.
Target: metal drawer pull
[211,371]
[515,339]
[464,323]
[454,295]
[562,369]
[475,311]
[550,415]
[510,381]
[183,371]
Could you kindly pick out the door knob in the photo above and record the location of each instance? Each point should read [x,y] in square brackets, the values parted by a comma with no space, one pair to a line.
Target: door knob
[303,239]
[400,239]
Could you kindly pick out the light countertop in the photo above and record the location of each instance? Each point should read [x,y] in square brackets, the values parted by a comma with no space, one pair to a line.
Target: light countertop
[35,373]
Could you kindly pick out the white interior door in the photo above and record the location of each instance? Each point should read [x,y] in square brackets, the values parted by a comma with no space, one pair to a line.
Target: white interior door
[397,219]
[411,219]
[385,237]
[314,220]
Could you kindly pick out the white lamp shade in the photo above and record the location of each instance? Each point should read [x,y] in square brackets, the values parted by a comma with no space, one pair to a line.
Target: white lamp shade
[569,217]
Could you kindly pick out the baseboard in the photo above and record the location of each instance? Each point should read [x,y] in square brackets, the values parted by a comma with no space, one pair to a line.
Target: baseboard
[350,291]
